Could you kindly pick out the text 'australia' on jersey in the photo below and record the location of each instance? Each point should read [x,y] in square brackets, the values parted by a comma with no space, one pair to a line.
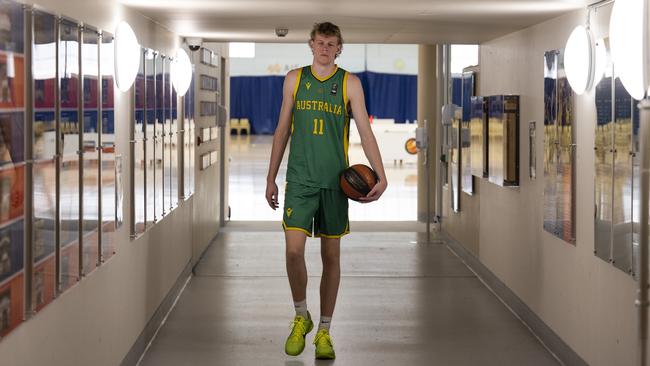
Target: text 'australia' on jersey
[320,129]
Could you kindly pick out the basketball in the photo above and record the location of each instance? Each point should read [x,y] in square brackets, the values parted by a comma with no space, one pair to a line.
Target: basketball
[357,181]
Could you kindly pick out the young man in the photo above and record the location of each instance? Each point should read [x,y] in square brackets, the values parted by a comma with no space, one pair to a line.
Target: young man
[315,112]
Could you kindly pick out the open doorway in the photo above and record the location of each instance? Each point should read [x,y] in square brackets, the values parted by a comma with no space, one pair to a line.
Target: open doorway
[389,76]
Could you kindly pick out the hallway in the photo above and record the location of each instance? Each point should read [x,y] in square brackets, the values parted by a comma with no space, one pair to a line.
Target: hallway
[401,302]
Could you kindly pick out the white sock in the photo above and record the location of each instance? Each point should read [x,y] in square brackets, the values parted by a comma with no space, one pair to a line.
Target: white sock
[301,308]
[325,322]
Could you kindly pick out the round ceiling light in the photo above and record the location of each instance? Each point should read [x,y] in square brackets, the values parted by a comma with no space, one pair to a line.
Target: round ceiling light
[579,57]
[127,56]
[601,61]
[628,48]
[181,72]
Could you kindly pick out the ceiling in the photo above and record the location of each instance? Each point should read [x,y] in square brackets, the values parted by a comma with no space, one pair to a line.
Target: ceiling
[361,21]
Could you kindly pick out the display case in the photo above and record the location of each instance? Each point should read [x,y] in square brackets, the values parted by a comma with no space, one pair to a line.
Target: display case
[503,139]
[159,136]
[90,152]
[559,150]
[478,137]
[44,171]
[70,132]
[142,196]
[12,170]
[467,183]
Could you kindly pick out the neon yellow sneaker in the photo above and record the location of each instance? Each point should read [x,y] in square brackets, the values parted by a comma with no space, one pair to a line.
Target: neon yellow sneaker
[296,341]
[324,345]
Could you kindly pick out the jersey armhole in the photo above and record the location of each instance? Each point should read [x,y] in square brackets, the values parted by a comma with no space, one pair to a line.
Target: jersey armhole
[295,88]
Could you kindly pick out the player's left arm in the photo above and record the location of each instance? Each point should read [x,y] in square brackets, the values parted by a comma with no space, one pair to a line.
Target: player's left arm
[368,141]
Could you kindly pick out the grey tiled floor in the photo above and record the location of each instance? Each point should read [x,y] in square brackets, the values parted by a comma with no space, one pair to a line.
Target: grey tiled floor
[401,302]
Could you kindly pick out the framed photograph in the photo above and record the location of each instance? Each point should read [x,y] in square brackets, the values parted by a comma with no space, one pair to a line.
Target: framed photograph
[214,133]
[205,134]
[209,83]
[205,161]
[207,109]
[206,56]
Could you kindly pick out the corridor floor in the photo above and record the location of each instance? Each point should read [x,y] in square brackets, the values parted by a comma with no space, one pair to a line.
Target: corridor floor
[401,302]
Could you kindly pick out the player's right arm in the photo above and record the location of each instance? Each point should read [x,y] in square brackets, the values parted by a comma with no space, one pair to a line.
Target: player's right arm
[281,137]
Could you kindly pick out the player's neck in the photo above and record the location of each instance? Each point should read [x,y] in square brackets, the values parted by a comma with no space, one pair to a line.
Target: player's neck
[322,70]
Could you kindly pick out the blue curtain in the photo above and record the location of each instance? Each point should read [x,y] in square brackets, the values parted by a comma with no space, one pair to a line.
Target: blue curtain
[259,98]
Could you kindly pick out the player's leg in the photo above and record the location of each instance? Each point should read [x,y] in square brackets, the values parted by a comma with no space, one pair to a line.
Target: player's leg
[330,252]
[331,224]
[295,262]
[300,205]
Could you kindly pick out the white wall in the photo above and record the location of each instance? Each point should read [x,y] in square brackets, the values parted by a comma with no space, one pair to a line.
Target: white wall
[278,59]
[97,321]
[585,300]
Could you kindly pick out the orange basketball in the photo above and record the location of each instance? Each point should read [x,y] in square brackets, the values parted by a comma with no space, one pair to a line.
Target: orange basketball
[357,181]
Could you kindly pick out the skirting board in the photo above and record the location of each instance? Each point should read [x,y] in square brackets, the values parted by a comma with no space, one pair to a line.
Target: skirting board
[133,356]
[543,332]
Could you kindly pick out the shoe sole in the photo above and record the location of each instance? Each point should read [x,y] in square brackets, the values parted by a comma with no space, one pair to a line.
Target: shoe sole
[325,357]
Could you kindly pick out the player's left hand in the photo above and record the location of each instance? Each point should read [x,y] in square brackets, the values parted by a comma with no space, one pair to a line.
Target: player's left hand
[375,193]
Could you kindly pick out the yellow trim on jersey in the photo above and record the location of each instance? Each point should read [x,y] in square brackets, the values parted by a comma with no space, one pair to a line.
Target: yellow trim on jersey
[347,231]
[295,88]
[336,68]
[345,93]
[285,227]
[346,139]
[346,131]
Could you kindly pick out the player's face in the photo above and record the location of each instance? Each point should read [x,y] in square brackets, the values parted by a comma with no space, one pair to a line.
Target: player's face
[325,48]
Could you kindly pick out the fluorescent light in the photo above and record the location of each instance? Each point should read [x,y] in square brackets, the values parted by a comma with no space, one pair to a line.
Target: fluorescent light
[241,49]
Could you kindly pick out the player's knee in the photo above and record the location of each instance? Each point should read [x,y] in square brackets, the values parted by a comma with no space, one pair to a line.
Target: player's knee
[330,258]
[295,255]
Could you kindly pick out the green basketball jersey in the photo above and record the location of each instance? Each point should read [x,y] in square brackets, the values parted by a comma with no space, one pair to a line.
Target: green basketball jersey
[319,129]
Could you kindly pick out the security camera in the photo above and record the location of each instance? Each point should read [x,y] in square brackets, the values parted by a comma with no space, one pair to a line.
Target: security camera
[281,32]
[194,43]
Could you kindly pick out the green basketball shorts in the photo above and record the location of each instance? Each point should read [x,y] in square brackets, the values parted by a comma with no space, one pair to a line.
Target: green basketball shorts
[312,209]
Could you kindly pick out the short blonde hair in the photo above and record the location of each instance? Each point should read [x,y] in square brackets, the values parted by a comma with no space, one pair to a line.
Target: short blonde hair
[326,29]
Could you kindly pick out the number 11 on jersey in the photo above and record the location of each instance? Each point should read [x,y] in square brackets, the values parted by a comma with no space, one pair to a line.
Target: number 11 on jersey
[318,122]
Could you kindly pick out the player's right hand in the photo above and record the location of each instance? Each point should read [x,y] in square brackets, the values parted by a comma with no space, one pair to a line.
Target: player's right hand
[272,195]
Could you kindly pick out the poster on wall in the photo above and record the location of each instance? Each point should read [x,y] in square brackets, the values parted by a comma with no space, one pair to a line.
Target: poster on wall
[559,150]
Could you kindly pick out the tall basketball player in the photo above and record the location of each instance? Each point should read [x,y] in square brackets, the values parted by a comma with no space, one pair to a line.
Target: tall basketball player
[316,105]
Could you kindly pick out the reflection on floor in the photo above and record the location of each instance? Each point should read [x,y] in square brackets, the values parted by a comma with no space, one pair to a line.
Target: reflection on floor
[249,166]
[401,302]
